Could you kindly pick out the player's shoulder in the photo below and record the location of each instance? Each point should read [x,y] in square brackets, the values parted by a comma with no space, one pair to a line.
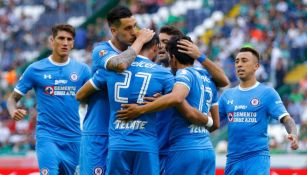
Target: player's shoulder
[78,63]
[103,48]
[40,64]
[230,91]
[103,44]
[266,89]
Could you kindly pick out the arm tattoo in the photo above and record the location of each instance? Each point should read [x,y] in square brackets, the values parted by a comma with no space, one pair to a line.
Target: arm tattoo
[290,125]
[16,96]
[126,57]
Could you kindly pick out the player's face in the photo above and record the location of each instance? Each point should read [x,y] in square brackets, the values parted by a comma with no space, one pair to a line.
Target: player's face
[246,65]
[126,33]
[164,38]
[62,43]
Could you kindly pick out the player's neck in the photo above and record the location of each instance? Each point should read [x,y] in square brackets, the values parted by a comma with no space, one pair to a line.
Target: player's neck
[118,45]
[182,66]
[59,59]
[248,83]
[147,54]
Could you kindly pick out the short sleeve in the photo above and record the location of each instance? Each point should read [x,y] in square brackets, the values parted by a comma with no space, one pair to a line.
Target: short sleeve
[99,79]
[222,107]
[101,55]
[25,82]
[275,106]
[184,77]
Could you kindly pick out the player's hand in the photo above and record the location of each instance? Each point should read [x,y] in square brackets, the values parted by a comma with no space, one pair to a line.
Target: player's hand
[19,114]
[145,35]
[151,99]
[294,141]
[128,112]
[187,47]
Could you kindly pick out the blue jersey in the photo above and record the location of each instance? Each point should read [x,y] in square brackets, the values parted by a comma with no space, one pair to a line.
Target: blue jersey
[185,135]
[142,78]
[248,112]
[96,121]
[55,87]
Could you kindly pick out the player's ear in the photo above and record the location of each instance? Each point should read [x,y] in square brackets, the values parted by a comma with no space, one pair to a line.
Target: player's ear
[257,65]
[51,41]
[113,29]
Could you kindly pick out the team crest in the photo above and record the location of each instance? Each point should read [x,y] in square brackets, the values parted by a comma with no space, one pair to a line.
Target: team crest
[98,171]
[49,90]
[74,76]
[102,53]
[44,171]
[255,102]
[230,116]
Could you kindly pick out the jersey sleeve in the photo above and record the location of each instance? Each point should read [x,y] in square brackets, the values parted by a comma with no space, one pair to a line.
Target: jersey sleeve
[101,55]
[99,79]
[214,97]
[184,77]
[168,83]
[276,108]
[222,107]
[25,82]
[86,74]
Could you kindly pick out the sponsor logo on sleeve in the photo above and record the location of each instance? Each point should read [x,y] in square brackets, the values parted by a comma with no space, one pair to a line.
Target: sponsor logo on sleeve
[102,53]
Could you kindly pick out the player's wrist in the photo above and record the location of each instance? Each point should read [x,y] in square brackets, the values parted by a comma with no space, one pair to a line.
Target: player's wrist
[209,122]
[201,58]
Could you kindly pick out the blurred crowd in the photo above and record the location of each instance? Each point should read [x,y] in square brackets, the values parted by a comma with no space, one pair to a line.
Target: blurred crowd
[276,28]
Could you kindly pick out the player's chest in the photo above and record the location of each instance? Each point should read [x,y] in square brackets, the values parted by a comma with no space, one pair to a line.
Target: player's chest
[58,77]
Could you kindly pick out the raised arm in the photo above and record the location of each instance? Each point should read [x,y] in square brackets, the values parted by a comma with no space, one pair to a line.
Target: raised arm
[217,73]
[15,112]
[122,61]
[290,126]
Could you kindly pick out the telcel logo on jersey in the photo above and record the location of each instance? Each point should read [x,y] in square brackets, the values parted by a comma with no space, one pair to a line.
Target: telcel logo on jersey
[246,117]
[197,129]
[131,125]
[142,64]
[56,82]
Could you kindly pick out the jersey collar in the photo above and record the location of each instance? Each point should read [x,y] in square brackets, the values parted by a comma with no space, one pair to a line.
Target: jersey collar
[113,47]
[59,64]
[249,88]
[141,56]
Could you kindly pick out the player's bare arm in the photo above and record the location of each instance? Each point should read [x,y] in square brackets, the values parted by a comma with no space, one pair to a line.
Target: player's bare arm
[290,126]
[85,91]
[121,62]
[192,114]
[15,112]
[217,73]
[214,110]
[176,97]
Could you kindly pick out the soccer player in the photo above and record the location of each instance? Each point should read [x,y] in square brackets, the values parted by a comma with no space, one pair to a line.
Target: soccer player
[164,117]
[133,145]
[248,108]
[190,151]
[56,80]
[112,55]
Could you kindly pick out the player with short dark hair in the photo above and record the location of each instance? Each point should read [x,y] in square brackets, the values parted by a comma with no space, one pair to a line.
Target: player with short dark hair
[55,79]
[248,109]
[112,55]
